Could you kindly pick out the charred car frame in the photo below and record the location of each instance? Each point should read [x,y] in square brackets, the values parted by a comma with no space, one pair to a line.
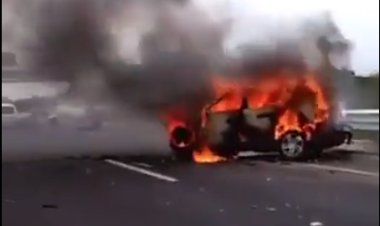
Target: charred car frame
[229,132]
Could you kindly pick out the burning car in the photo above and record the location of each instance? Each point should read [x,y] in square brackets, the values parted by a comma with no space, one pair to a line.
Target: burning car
[290,114]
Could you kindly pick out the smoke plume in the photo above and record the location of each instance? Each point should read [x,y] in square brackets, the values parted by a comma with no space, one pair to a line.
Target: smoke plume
[177,46]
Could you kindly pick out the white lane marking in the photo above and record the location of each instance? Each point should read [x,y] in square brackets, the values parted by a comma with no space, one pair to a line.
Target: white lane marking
[143,164]
[140,170]
[340,169]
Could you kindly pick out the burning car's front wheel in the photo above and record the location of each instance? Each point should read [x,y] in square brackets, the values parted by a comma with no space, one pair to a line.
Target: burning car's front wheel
[292,146]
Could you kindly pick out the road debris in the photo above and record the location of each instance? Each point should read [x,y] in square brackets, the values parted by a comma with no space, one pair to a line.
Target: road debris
[50,206]
[316,223]
[271,209]
[253,206]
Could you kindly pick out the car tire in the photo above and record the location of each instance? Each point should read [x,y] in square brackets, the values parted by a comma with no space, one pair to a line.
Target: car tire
[292,146]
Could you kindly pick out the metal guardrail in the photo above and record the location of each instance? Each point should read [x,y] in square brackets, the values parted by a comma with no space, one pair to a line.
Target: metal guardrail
[363,119]
[361,111]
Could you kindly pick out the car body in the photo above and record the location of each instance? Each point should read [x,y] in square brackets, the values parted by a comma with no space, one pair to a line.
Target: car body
[229,132]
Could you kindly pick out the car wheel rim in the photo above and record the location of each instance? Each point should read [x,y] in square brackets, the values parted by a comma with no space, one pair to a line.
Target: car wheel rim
[292,145]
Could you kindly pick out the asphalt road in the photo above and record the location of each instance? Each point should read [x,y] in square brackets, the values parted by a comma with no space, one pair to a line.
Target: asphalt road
[158,191]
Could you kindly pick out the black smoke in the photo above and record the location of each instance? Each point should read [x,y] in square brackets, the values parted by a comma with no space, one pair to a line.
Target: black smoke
[73,41]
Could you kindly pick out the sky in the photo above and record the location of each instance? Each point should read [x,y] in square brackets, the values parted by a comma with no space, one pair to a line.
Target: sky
[358,21]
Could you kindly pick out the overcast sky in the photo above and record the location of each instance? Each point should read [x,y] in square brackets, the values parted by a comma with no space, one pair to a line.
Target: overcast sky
[358,21]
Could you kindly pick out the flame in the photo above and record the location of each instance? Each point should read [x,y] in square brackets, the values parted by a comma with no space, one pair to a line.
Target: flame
[203,154]
[175,123]
[175,119]
[322,106]
[228,95]
[289,119]
[270,91]
[278,90]
[206,155]
[286,91]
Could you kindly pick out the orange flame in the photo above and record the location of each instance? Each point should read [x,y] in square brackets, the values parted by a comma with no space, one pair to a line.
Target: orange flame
[205,155]
[289,120]
[322,106]
[228,94]
[174,123]
[264,91]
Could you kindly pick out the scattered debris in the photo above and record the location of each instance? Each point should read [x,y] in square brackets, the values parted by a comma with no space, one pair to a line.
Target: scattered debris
[221,210]
[288,205]
[202,189]
[268,179]
[253,206]
[300,217]
[271,209]
[50,206]
[316,223]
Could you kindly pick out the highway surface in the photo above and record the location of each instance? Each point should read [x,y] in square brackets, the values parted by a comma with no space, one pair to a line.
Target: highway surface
[342,188]
[140,184]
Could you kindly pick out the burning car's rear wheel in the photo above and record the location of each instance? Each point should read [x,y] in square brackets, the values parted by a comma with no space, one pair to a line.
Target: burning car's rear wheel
[182,143]
[292,146]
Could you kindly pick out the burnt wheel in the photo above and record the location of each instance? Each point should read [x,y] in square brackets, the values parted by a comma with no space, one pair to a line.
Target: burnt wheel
[182,143]
[292,146]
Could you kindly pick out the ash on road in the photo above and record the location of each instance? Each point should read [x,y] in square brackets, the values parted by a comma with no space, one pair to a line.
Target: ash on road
[159,191]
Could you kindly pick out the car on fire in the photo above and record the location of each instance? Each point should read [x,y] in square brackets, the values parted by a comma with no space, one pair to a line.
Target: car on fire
[296,133]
